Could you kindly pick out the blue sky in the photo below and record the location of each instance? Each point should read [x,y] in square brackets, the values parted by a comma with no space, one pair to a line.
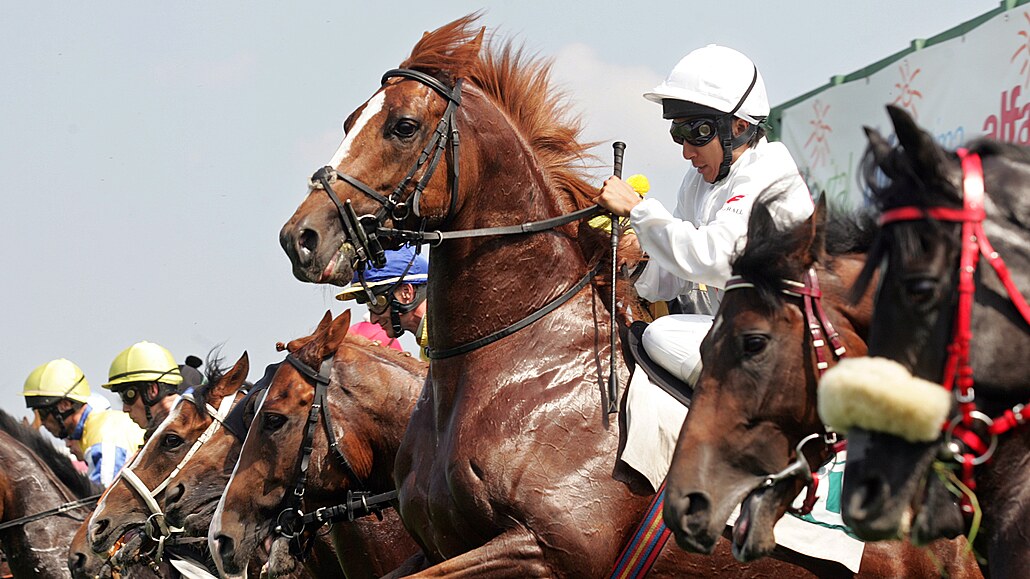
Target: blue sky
[152,151]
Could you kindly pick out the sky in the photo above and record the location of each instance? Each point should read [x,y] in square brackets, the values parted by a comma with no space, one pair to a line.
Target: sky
[150,152]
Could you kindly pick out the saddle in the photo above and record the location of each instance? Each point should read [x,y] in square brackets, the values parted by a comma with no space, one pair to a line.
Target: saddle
[659,376]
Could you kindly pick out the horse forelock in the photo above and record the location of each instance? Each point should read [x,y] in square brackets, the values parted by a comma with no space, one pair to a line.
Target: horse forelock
[59,463]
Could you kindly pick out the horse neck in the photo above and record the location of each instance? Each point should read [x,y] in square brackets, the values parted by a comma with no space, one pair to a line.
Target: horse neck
[502,278]
[374,414]
[39,548]
[851,319]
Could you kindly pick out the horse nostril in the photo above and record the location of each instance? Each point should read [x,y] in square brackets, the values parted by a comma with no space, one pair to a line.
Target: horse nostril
[173,495]
[866,499]
[98,529]
[77,563]
[224,546]
[307,243]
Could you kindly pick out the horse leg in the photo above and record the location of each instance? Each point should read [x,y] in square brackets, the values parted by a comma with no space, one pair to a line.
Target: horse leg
[514,554]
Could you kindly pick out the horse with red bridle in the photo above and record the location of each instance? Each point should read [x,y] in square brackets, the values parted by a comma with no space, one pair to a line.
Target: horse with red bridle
[753,437]
[509,463]
[922,454]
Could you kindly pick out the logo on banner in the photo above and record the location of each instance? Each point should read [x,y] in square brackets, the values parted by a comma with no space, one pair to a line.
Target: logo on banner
[907,93]
[1011,123]
[816,145]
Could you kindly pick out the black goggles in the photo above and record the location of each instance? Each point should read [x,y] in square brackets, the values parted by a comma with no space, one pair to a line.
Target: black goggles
[377,307]
[128,395]
[51,410]
[696,132]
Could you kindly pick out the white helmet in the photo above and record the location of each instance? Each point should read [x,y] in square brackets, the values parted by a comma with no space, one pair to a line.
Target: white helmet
[716,77]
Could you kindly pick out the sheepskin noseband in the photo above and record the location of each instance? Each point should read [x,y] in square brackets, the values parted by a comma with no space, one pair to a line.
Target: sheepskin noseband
[880,395]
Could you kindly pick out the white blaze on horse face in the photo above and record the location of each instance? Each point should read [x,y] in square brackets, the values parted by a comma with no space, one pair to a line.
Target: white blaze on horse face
[372,108]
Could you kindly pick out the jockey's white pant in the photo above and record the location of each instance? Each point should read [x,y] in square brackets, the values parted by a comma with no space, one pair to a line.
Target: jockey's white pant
[674,343]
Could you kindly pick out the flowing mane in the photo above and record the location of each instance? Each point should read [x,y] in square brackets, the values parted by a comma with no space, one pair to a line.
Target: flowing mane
[520,85]
[768,256]
[77,483]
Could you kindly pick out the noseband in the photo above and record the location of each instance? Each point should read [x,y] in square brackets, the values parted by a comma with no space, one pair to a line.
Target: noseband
[819,325]
[957,369]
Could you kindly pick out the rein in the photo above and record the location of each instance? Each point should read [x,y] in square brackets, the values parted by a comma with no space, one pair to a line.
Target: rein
[819,325]
[63,508]
[957,369]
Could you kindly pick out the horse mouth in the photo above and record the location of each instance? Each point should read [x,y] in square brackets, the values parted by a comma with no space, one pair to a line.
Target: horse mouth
[339,270]
[753,536]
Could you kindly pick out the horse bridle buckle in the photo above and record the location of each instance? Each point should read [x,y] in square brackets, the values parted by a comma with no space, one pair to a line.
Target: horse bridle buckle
[952,445]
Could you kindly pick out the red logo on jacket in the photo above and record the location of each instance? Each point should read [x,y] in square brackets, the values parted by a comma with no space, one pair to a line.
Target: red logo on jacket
[734,198]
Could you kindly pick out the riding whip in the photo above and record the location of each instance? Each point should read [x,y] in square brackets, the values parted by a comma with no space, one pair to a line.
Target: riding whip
[619,150]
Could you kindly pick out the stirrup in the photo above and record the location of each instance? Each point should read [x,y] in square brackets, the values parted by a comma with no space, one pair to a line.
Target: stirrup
[659,376]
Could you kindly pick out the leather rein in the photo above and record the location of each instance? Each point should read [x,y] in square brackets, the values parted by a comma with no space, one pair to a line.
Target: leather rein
[365,231]
[958,373]
[824,337]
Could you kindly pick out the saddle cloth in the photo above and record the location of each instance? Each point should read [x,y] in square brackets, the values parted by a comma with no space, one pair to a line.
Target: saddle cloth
[654,419]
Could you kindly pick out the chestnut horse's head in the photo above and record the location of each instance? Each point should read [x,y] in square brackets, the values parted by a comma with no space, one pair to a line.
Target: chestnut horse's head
[398,162]
[890,487]
[350,389]
[133,500]
[755,400]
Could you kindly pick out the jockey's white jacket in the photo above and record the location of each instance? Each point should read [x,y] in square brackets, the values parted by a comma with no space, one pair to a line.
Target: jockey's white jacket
[695,243]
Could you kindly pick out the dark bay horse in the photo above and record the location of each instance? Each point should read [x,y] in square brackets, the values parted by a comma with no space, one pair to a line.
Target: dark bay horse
[368,399]
[755,400]
[932,303]
[35,477]
[509,463]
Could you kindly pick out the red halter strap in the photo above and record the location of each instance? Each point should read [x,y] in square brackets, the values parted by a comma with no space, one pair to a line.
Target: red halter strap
[957,370]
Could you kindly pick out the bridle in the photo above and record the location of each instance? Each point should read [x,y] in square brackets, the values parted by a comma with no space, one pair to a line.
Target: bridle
[958,373]
[365,231]
[291,522]
[824,337]
[156,527]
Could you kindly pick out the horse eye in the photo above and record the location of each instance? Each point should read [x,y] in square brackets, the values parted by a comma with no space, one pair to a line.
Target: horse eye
[754,344]
[921,290]
[273,422]
[405,128]
[172,441]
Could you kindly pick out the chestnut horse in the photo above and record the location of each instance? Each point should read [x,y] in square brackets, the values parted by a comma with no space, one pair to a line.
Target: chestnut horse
[755,400]
[936,220]
[35,478]
[509,463]
[367,402]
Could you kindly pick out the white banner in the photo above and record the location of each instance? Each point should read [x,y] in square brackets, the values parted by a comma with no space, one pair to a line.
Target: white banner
[970,86]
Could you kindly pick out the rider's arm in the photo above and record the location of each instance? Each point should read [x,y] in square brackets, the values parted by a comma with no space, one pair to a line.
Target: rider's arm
[105,459]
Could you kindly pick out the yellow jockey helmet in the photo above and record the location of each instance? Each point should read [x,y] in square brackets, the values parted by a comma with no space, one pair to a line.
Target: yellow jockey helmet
[56,379]
[143,362]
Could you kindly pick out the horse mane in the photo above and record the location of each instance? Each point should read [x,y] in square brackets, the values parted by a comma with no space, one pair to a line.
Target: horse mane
[214,370]
[769,255]
[78,483]
[520,85]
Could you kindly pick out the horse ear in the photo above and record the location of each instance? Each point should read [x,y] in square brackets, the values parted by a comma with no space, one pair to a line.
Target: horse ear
[337,332]
[879,147]
[324,324]
[919,146]
[819,219]
[235,377]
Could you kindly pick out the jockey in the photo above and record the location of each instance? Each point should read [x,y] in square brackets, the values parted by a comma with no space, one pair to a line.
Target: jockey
[399,290]
[148,381]
[716,100]
[106,438]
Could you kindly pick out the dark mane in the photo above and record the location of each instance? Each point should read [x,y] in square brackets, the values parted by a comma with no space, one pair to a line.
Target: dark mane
[77,483]
[769,254]
[520,85]
[214,370]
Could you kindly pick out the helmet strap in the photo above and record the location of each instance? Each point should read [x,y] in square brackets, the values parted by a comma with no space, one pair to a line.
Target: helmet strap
[731,142]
